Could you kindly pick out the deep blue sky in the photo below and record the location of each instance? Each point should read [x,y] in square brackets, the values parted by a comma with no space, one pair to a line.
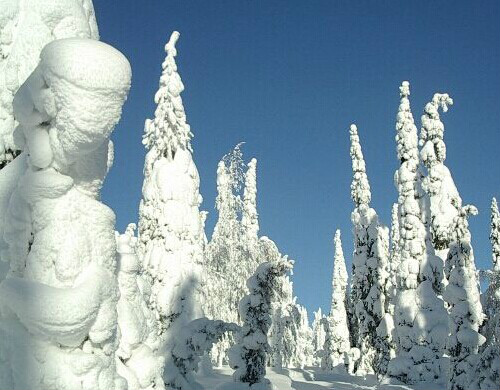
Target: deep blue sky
[288,77]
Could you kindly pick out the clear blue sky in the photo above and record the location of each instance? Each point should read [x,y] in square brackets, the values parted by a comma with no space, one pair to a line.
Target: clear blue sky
[288,77]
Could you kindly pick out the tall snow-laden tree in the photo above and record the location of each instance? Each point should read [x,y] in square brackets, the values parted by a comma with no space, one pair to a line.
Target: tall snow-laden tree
[420,316]
[336,330]
[171,239]
[369,269]
[249,355]
[318,338]
[487,370]
[463,298]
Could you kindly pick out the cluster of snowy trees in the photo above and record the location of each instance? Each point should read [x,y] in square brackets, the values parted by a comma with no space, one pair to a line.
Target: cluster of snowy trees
[85,307]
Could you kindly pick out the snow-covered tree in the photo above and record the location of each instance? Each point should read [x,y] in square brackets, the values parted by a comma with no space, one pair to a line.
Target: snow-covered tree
[369,269]
[58,302]
[171,237]
[394,260]
[249,219]
[319,336]
[337,341]
[463,298]
[136,360]
[248,356]
[194,341]
[25,29]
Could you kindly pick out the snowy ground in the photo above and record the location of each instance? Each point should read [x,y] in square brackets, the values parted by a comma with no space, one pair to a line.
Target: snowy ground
[308,379]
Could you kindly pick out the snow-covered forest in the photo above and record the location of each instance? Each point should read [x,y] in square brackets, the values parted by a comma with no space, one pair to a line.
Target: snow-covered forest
[165,305]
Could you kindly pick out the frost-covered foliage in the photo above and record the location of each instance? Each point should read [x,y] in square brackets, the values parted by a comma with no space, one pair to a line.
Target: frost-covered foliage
[318,337]
[369,268]
[171,237]
[487,374]
[462,296]
[249,355]
[250,218]
[26,26]
[337,341]
[136,360]
[193,342]
[58,302]
[420,317]
[394,260]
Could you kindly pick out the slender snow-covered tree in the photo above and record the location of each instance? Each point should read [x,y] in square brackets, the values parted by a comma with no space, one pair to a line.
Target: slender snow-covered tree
[171,240]
[318,339]
[487,373]
[463,298]
[248,356]
[370,262]
[249,219]
[337,341]
[419,314]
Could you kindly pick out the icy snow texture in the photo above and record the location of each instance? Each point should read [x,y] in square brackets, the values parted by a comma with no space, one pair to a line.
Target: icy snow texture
[26,26]
[417,263]
[319,336]
[136,360]
[250,218]
[369,269]
[248,356]
[171,236]
[59,300]
[465,311]
[337,341]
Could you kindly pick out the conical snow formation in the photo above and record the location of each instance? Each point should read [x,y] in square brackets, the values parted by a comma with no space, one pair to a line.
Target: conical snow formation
[171,237]
[369,267]
[337,340]
[250,218]
[59,300]
[419,315]
[463,298]
[26,27]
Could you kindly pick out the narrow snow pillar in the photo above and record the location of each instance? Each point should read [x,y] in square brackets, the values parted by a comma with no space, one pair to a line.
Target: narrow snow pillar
[337,341]
[59,301]
[171,238]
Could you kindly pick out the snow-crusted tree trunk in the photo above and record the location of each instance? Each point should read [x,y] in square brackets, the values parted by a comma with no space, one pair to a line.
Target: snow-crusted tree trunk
[25,28]
[337,340]
[58,302]
[171,237]
[466,316]
[249,355]
[419,317]
[487,370]
[369,272]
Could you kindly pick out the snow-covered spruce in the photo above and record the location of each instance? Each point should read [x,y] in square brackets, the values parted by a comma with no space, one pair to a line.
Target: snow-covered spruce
[171,237]
[249,355]
[250,217]
[369,269]
[59,300]
[318,337]
[394,260]
[337,341]
[26,27]
[136,360]
[487,372]
[462,296]
[195,339]
[419,315]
